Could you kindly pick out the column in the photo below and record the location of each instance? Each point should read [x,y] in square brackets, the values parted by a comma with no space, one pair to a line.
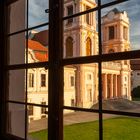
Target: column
[111,86]
[104,86]
[119,86]
[115,86]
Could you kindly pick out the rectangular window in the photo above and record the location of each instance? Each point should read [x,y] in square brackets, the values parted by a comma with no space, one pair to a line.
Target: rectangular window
[31,80]
[88,16]
[43,80]
[43,109]
[30,110]
[111,32]
[125,33]
[72,81]
[70,12]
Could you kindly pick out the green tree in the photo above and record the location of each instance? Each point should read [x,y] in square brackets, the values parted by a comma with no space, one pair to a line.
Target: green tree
[136,92]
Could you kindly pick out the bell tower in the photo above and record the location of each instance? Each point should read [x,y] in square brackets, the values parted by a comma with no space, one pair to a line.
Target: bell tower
[80,31]
[115,38]
[115,31]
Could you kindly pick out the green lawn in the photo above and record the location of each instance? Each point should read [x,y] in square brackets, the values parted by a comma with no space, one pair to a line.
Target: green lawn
[120,128]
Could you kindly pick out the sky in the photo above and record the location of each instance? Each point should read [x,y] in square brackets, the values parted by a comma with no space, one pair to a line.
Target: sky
[37,16]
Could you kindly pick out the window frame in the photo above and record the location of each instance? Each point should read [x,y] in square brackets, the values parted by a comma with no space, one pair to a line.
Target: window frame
[55,65]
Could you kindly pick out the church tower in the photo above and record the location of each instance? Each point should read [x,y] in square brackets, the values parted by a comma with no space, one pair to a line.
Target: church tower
[81,39]
[80,36]
[115,31]
[115,38]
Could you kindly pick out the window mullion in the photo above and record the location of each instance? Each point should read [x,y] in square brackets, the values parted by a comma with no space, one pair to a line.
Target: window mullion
[55,71]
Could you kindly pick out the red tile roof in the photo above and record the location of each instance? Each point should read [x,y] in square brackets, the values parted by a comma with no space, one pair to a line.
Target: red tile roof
[41,57]
[40,52]
[36,46]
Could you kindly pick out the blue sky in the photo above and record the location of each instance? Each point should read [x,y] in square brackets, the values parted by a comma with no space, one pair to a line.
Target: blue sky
[37,16]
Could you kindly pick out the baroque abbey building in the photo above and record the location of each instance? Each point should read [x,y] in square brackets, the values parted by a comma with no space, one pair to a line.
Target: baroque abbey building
[81,39]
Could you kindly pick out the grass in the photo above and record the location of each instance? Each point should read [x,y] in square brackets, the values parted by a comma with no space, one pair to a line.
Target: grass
[136,99]
[120,128]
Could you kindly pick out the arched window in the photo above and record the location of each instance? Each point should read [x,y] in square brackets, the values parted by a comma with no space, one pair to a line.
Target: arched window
[88,47]
[111,51]
[69,47]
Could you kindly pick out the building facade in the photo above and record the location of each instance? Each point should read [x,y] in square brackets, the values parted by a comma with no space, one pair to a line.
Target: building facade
[81,39]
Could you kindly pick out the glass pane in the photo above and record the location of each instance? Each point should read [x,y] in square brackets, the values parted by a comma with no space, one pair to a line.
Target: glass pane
[120,83]
[107,1]
[81,126]
[81,85]
[120,27]
[37,83]
[127,128]
[76,6]
[38,45]
[16,48]
[37,12]
[16,120]
[37,123]
[81,36]
[17,16]
[17,83]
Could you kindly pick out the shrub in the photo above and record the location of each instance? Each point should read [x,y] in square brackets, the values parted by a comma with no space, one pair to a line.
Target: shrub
[136,92]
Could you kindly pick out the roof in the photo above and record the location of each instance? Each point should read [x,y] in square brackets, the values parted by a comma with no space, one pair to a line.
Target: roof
[115,10]
[41,56]
[36,46]
[42,37]
[40,52]
[135,64]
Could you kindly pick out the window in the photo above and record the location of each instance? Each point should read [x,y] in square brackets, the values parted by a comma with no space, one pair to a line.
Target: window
[70,12]
[72,81]
[88,47]
[43,109]
[89,92]
[111,51]
[88,16]
[72,102]
[69,47]
[31,80]
[111,32]
[43,80]
[14,123]
[125,32]
[89,77]
[30,110]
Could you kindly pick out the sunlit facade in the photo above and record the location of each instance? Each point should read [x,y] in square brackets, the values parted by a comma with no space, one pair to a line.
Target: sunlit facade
[81,39]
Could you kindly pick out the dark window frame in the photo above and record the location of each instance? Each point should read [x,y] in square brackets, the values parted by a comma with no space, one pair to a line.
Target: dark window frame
[56,64]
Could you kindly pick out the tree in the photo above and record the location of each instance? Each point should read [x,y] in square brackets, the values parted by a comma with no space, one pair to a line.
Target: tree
[136,92]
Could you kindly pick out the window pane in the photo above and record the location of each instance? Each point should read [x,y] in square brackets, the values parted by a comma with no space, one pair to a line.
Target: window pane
[37,125]
[120,27]
[107,1]
[119,80]
[16,120]
[17,12]
[16,49]
[17,87]
[37,86]
[81,126]
[77,6]
[127,127]
[37,12]
[38,45]
[80,90]
[80,37]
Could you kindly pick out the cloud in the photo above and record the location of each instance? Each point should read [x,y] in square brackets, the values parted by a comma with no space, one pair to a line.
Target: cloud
[37,13]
